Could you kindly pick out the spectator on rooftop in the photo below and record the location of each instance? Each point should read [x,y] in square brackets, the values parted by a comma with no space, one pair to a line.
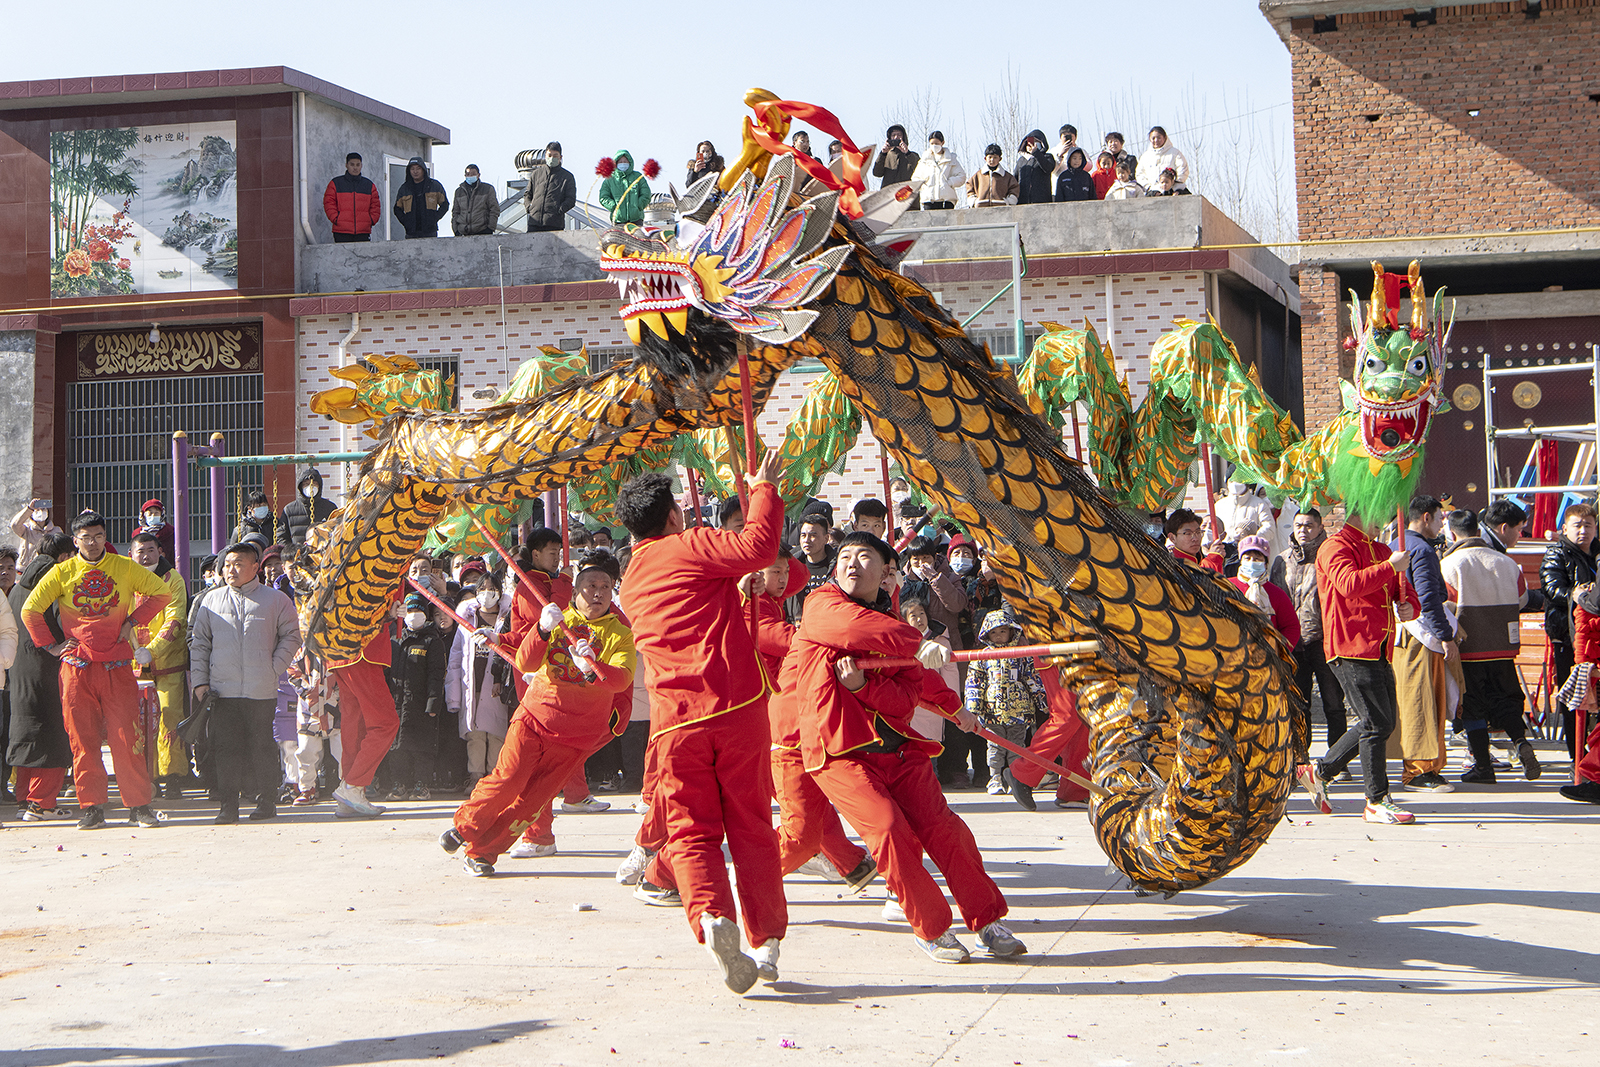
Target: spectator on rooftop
[625,194]
[896,161]
[801,143]
[1124,188]
[1167,185]
[421,202]
[1035,169]
[477,206]
[1114,144]
[1074,182]
[835,151]
[705,161]
[552,192]
[941,175]
[351,203]
[1063,148]
[1104,174]
[1158,157]
[992,185]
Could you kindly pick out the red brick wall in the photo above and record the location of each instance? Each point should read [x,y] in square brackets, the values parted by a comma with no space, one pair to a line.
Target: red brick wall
[1530,158]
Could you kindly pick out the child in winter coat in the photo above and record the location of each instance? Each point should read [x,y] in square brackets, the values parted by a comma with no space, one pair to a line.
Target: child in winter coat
[1124,188]
[1005,694]
[1104,174]
[914,610]
[416,678]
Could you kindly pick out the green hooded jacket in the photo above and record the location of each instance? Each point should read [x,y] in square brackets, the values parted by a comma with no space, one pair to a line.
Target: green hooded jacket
[625,195]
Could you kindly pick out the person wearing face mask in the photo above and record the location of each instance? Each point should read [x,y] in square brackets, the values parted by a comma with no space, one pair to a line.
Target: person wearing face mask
[421,654]
[941,176]
[476,210]
[552,192]
[1252,582]
[625,194]
[257,519]
[1036,169]
[560,720]
[471,684]
[992,185]
[307,509]
[896,161]
[153,520]
[32,525]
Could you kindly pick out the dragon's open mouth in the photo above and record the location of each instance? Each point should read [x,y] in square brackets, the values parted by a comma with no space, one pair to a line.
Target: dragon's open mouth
[1394,430]
[652,286]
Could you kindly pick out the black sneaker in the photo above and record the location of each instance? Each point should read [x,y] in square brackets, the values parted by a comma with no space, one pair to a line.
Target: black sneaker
[477,868]
[1587,792]
[91,818]
[1529,760]
[864,873]
[657,896]
[1022,792]
[1478,774]
[450,840]
[143,816]
[265,809]
[227,815]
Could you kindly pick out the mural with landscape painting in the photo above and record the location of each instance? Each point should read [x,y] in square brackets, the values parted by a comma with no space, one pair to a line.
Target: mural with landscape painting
[144,209]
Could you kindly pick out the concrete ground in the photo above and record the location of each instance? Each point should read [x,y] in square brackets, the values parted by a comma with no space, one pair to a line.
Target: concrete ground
[1469,937]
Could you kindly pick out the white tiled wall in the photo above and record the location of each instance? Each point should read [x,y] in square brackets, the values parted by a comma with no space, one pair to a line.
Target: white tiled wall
[1145,306]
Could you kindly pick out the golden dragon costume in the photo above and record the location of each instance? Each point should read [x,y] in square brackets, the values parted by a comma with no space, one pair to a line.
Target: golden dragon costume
[1190,700]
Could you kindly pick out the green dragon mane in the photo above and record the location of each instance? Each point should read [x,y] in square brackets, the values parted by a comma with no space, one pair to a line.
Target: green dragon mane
[1370,497]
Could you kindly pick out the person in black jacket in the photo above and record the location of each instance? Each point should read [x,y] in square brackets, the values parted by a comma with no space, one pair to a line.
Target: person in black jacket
[1075,183]
[257,519]
[1035,168]
[306,510]
[416,678]
[552,192]
[421,202]
[1569,565]
[896,162]
[39,750]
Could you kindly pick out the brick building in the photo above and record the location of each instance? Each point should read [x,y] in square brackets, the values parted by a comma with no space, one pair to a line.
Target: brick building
[1462,136]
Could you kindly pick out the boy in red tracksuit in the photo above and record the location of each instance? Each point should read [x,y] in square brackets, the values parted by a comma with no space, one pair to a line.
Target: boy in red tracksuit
[708,704]
[857,742]
[1358,583]
[368,722]
[560,720]
[808,820]
[94,592]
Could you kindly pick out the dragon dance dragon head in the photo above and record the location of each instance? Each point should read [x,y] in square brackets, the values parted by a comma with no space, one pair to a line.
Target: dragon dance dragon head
[1398,388]
[745,262]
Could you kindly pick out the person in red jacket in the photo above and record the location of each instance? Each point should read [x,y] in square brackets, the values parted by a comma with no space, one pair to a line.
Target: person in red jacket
[857,742]
[1251,581]
[367,720]
[1579,694]
[1358,582]
[351,203]
[560,719]
[708,696]
[809,823]
[1063,734]
[1184,531]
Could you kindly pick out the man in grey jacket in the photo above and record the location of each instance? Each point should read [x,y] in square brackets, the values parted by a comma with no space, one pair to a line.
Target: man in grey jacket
[476,209]
[243,637]
[1295,572]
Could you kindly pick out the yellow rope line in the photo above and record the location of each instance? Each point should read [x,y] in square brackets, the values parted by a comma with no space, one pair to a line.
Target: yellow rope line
[67,309]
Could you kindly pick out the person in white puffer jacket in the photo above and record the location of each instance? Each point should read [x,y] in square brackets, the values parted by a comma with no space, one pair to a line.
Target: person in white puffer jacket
[1158,157]
[941,175]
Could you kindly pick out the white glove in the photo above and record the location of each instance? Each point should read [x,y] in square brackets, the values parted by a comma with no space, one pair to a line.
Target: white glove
[484,636]
[933,655]
[142,657]
[585,664]
[528,677]
[583,650]
[550,618]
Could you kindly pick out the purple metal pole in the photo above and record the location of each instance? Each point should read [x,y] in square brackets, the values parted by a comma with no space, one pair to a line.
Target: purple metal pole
[219,496]
[180,501]
[552,511]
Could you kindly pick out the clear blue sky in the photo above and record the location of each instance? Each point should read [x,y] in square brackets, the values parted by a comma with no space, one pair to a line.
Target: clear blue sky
[656,79]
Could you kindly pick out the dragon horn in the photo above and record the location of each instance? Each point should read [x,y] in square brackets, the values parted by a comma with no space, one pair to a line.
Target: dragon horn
[1419,299]
[1378,310]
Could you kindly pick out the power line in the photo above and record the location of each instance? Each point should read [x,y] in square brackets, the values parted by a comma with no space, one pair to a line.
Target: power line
[1232,118]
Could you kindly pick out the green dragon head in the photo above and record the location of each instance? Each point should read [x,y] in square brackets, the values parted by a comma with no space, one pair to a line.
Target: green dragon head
[1398,389]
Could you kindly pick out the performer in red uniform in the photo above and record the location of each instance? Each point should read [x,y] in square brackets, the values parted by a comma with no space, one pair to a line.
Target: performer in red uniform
[560,720]
[857,742]
[368,722]
[708,704]
[808,820]
[1063,734]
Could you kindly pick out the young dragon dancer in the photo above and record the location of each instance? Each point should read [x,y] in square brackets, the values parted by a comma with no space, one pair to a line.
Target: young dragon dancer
[858,744]
[808,820]
[708,698]
[560,720]
[94,592]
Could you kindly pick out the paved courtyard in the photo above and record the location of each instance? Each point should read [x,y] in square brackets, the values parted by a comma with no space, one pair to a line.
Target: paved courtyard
[1470,937]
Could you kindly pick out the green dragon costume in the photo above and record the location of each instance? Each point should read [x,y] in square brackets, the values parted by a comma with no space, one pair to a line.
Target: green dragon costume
[1369,456]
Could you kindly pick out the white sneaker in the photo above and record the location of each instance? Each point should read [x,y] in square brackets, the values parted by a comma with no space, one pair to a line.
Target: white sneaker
[633,867]
[767,961]
[820,866]
[1000,941]
[354,797]
[996,787]
[527,850]
[722,941]
[587,806]
[640,807]
[893,912]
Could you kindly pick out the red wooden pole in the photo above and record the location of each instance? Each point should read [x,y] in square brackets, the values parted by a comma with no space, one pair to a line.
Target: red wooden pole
[1077,438]
[460,620]
[747,399]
